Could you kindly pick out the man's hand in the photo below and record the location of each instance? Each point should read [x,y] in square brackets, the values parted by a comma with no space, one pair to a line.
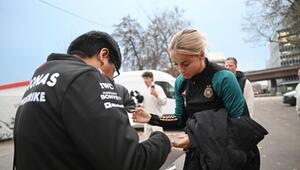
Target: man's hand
[182,142]
[153,91]
[140,116]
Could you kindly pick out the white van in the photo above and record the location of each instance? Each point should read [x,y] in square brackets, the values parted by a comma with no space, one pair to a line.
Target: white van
[133,80]
[10,98]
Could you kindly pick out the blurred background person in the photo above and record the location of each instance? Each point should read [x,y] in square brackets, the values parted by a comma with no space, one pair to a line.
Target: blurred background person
[154,99]
[246,87]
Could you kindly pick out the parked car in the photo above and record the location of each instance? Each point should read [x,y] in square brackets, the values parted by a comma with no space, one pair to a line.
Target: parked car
[289,98]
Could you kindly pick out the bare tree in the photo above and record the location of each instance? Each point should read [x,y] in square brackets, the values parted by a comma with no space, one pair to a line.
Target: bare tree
[129,34]
[266,17]
[160,31]
[148,49]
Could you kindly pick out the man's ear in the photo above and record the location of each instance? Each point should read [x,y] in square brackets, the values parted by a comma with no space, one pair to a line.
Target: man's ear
[104,53]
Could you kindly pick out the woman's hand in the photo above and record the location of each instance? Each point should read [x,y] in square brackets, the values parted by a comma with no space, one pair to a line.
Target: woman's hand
[140,116]
[182,142]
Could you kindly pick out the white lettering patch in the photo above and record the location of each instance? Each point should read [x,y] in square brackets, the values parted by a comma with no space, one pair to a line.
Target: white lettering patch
[108,105]
[105,96]
[34,97]
[48,79]
[106,86]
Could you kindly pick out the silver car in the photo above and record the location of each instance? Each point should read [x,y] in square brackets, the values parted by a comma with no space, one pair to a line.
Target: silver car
[289,98]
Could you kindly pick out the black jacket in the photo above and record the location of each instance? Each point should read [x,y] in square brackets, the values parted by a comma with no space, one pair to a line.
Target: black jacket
[128,101]
[222,143]
[71,118]
[241,78]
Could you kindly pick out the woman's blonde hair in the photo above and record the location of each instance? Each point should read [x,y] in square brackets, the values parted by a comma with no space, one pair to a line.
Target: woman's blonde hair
[188,41]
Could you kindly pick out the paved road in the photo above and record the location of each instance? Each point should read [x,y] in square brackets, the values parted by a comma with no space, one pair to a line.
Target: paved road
[280,150]
[6,155]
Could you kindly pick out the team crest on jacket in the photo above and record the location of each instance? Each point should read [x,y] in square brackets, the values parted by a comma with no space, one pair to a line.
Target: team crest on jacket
[208,92]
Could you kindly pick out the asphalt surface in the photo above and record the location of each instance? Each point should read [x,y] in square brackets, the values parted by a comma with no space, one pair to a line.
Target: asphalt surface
[280,150]
[6,155]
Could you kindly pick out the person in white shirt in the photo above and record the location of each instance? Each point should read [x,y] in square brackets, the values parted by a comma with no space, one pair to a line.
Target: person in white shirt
[246,87]
[154,99]
[297,95]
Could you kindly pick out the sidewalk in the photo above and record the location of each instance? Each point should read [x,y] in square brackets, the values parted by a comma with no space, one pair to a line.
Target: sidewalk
[175,154]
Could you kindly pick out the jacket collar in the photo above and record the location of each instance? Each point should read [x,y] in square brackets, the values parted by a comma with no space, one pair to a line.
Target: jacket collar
[199,75]
[57,56]
[239,74]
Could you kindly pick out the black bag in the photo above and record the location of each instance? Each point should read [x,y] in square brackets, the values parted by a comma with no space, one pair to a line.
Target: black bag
[248,131]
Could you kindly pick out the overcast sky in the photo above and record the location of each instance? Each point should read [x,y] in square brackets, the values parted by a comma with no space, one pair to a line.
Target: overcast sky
[32,29]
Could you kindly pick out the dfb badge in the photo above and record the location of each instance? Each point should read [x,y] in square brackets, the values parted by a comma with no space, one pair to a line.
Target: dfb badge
[208,92]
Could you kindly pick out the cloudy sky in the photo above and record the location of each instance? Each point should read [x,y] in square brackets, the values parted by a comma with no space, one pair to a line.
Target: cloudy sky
[32,29]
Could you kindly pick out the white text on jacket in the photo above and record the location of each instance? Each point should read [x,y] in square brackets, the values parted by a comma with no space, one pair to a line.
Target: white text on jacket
[48,79]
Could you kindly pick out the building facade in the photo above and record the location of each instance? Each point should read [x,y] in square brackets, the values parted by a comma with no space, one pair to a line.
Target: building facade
[285,51]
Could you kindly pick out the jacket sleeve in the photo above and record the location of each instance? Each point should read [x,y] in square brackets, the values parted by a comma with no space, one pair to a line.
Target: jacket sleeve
[128,101]
[249,96]
[179,100]
[95,121]
[297,95]
[170,121]
[228,89]
[161,98]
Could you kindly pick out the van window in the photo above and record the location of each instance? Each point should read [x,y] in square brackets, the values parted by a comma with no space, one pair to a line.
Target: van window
[168,89]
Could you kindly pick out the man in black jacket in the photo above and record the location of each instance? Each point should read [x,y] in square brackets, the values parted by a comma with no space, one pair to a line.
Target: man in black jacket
[71,116]
[245,85]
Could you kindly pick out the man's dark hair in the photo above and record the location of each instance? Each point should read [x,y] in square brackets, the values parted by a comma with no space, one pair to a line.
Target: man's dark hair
[232,58]
[147,74]
[91,43]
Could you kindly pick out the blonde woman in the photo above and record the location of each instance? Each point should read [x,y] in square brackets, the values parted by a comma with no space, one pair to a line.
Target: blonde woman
[211,93]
